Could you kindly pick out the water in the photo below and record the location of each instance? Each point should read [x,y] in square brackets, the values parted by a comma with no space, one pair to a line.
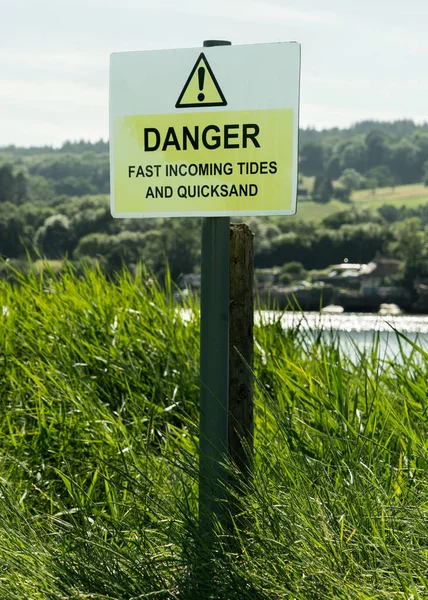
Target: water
[356,332]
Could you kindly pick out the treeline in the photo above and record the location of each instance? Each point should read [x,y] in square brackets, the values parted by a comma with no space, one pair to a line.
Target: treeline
[46,176]
[365,157]
[395,129]
[368,155]
[54,203]
[99,147]
[84,229]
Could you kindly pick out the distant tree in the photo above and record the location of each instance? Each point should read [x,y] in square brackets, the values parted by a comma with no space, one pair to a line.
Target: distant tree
[323,189]
[377,148]
[353,154]
[54,238]
[312,159]
[71,186]
[285,278]
[325,249]
[341,192]
[361,242]
[334,167]
[381,175]
[351,216]
[404,161]
[269,231]
[408,237]
[371,184]
[90,220]
[181,245]
[420,139]
[352,180]
[73,173]
[294,269]
[126,248]
[39,189]
[425,175]
[286,247]
[172,242]
[397,129]
[100,179]
[7,183]
[20,192]
[411,246]
[13,188]
[80,147]
[93,245]
[13,232]
[389,212]
[34,215]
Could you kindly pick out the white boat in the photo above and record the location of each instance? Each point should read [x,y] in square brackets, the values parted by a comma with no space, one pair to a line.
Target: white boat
[389,309]
[332,309]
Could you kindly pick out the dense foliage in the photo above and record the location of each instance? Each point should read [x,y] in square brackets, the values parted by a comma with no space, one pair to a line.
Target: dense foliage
[54,203]
[83,229]
[385,153]
[99,457]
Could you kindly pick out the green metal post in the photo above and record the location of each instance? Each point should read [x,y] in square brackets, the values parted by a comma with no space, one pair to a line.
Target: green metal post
[214,364]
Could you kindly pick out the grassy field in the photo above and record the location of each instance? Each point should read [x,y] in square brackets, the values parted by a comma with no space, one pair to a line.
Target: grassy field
[316,212]
[99,460]
[410,196]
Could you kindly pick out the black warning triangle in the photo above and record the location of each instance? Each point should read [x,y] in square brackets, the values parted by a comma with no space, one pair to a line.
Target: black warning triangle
[201,87]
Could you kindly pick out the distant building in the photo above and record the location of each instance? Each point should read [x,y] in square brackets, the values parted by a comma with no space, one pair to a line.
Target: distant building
[367,278]
[377,271]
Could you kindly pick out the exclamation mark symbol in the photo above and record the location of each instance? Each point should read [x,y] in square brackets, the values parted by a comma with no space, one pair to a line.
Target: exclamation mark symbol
[201,79]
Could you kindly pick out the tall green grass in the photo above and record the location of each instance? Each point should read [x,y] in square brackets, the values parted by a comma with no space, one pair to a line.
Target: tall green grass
[99,456]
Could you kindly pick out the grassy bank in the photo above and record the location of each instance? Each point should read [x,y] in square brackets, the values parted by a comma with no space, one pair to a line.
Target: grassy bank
[98,469]
[410,196]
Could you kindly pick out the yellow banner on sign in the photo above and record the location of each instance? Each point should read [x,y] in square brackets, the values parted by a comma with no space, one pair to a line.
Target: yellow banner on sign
[195,163]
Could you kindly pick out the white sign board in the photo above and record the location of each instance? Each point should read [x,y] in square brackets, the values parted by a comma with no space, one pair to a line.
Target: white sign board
[205,132]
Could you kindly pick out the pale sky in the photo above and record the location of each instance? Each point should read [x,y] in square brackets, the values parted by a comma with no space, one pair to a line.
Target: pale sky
[361,59]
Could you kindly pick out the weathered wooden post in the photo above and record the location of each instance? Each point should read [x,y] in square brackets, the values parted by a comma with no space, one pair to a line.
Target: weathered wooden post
[241,349]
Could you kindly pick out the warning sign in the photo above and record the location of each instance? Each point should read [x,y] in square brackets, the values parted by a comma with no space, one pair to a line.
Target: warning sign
[201,88]
[225,145]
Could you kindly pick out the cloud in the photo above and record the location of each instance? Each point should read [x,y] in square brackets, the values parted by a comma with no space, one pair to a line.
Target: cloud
[89,70]
[321,116]
[273,12]
[407,43]
[243,10]
[22,132]
[258,11]
[406,84]
[51,112]
[336,82]
[324,117]
[378,84]
[69,62]
[59,96]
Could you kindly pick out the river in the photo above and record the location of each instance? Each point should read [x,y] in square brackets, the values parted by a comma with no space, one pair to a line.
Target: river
[356,332]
